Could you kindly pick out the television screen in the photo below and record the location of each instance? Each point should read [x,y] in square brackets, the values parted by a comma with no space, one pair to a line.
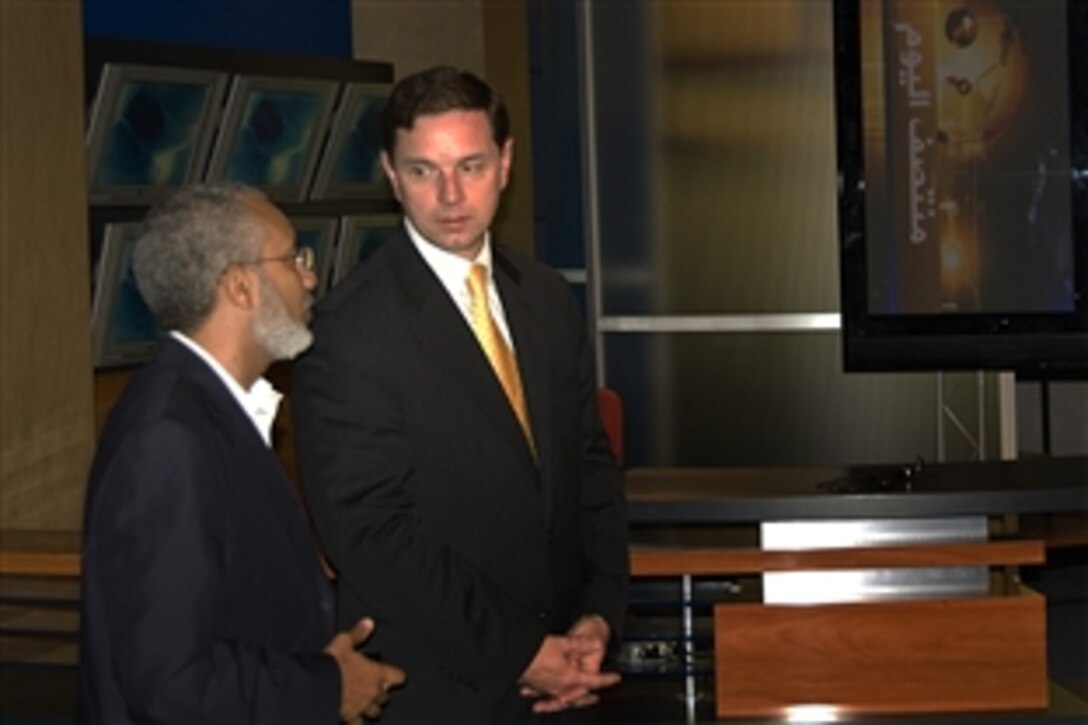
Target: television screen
[271,133]
[963,149]
[149,130]
[350,166]
[123,330]
[319,234]
[360,235]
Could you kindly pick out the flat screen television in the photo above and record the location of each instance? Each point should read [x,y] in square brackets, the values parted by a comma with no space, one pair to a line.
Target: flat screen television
[149,130]
[123,331]
[271,132]
[350,165]
[359,236]
[962,131]
[319,234]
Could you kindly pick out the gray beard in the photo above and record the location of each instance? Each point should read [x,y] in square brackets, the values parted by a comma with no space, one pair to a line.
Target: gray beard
[282,336]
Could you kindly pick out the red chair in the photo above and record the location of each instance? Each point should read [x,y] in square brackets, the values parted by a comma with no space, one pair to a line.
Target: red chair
[611,409]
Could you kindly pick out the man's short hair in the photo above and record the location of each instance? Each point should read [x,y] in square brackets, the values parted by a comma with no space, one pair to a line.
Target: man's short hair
[437,90]
[186,242]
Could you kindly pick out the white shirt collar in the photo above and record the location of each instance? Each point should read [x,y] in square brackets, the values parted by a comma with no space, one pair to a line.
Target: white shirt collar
[452,271]
[450,268]
[259,403]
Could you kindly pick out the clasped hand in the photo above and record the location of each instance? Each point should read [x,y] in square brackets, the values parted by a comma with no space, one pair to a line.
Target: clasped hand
[364,683]
[566,671]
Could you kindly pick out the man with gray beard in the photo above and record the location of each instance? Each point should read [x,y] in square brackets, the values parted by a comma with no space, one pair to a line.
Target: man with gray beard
[203,599]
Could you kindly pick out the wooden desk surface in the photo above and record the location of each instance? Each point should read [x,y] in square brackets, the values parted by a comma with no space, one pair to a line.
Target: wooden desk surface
[746,495]
[1056,486]
[40,553]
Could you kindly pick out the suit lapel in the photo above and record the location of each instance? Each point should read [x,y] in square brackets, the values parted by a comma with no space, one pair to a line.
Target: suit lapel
[264,473]
[532,354]
[443,332]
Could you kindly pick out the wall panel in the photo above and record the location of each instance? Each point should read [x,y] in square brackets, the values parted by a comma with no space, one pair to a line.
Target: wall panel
[46,431]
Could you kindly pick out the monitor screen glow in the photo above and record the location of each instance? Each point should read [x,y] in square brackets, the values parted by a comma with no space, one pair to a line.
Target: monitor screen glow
[150,130]
[962,146]
[271,133]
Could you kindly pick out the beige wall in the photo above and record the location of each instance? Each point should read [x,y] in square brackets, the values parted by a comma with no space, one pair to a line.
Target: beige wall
[487,37]
[416,34]
[46,435]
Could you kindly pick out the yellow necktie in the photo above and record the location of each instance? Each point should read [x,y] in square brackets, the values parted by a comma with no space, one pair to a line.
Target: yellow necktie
[495,347]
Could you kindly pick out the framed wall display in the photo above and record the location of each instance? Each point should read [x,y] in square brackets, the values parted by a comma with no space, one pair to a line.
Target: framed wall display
[123,330]
[360,235]
[271,132]
[149,130]
[318,233]
[963,208]
[350,166]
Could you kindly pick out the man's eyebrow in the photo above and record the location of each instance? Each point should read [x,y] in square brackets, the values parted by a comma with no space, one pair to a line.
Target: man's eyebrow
[476,156]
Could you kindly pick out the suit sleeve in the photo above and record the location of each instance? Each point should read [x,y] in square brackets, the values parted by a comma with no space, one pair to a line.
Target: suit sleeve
[159,558]
[354,455]
[603,511]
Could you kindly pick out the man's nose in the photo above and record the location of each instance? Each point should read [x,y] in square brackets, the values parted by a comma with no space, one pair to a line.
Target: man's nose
[450,191]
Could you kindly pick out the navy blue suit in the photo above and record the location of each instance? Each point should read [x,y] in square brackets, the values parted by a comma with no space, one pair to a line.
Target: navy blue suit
[426,496]
[202,596]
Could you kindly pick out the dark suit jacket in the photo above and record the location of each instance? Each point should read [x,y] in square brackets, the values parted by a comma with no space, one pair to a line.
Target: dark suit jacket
[202,596]
[426,495]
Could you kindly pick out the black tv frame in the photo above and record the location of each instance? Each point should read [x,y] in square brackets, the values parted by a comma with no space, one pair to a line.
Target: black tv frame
[340,176]
[253,102]
[322,231]
[1035,345]
[107,119]
[102,50]
[358,236]
[123,331]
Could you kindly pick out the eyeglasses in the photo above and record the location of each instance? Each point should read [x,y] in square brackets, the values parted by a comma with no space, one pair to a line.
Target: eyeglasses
[303,257]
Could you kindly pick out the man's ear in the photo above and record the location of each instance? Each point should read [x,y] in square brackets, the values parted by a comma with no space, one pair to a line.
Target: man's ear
[238,286]
[387,166]
[506,160]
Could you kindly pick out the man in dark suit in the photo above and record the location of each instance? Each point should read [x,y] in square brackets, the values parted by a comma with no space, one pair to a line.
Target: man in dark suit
[202,595]
[472,507]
